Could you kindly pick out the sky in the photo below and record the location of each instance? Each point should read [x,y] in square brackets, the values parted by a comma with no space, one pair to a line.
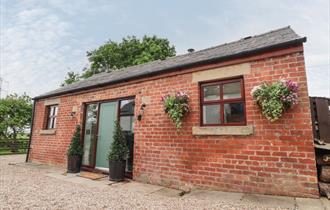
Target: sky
[40,41]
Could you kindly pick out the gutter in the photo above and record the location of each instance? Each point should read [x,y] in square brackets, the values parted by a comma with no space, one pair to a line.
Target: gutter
[31,130]
[180,66]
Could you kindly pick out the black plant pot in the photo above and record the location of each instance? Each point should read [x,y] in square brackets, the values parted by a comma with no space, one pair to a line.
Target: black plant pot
[74,163]
[117,170]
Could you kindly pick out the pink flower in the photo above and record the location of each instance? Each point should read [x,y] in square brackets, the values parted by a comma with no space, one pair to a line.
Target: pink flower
[254,89]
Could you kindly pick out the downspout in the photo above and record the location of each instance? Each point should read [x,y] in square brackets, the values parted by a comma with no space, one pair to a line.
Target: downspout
[31,130]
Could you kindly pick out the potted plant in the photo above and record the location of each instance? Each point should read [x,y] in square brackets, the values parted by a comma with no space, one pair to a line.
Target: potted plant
[118,155]
[75,152]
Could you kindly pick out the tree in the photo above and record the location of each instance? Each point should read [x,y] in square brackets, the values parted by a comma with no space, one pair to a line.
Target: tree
[15,116]
[70,78]
[130,51]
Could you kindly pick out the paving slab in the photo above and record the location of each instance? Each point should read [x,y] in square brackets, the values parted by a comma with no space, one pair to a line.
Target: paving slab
[270,201]
[309,204]
[73,178]
[326,203]
[214,195]
[168,192]
[87,182]
[57,176]
[133,186]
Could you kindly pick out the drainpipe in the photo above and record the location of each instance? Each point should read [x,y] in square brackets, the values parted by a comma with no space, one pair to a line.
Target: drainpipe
[31,129]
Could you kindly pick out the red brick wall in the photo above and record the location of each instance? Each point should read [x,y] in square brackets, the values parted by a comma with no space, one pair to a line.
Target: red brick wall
[277,159]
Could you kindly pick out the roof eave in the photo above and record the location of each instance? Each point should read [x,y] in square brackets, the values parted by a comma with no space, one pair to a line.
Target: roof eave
[166,70]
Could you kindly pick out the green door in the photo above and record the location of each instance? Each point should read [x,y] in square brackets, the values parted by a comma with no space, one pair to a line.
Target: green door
[107,117]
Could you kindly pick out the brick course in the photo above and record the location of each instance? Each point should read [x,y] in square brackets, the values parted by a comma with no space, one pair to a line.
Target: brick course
[277,159]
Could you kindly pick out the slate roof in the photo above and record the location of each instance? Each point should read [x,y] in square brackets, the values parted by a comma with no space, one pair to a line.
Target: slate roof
[249,45]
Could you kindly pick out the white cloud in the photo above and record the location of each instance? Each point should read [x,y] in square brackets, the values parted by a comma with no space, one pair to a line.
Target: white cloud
[41,40]
[33,50]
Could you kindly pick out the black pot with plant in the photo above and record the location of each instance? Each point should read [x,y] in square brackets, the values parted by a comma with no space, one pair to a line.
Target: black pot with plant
[75,152]
[118,155]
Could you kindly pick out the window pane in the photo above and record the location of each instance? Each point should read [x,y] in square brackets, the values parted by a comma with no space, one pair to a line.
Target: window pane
[232,90]
[90,136]
[55,111]
[50,123]
[211,114]
[126,123]
[211,92]
[234,112]
[54,124]
[127,107]
[50,111]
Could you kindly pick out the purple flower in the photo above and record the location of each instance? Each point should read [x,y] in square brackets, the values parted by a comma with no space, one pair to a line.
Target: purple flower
[292,86]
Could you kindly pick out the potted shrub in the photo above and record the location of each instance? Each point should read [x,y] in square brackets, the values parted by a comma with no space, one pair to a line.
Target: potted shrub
[118,155]
[75,152]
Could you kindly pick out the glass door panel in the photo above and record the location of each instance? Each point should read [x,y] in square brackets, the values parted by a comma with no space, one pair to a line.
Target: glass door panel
[126,118]
[107,117]
[90,134]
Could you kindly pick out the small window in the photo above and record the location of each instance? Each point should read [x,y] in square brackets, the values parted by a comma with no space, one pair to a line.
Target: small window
[52,116]
[126,115]
[223,103]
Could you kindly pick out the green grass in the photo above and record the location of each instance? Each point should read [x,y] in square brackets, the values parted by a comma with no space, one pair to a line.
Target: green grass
[8,152]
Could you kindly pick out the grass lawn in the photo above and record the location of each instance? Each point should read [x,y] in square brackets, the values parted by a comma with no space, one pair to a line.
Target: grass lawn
[8,152]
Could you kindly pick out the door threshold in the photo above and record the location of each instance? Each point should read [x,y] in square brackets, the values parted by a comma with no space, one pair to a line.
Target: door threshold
[94,170]
[128,175]
[102,169]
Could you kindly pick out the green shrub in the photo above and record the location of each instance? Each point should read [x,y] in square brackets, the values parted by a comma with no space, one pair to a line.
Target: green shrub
[118,148]
[75,147]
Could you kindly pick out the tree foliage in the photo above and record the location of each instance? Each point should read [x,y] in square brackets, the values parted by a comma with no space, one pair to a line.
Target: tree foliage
[15,115]
[71,77]
[131,51]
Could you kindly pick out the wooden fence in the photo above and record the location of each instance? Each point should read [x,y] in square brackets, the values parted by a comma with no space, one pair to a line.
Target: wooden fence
[10,146]
[320,109]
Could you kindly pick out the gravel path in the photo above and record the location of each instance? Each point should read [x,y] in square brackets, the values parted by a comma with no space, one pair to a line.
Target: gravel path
[27,187]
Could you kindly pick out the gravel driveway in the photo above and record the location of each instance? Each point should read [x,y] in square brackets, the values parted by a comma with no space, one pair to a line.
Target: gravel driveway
[28,187]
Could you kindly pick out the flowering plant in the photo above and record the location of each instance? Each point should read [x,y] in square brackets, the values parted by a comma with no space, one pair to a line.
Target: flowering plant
[275,98]
[176,106]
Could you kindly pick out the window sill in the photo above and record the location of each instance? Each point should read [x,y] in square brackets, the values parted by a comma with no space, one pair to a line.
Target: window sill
[223,130]
[47,132]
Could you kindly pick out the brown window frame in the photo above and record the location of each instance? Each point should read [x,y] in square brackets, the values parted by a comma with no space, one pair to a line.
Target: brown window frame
[222,101]
[50,116]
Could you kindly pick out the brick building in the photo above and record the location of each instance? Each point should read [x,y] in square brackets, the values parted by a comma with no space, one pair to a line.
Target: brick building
[225,142]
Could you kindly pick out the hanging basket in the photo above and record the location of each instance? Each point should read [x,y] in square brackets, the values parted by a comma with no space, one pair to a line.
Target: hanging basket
[176,107]
[276,98]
